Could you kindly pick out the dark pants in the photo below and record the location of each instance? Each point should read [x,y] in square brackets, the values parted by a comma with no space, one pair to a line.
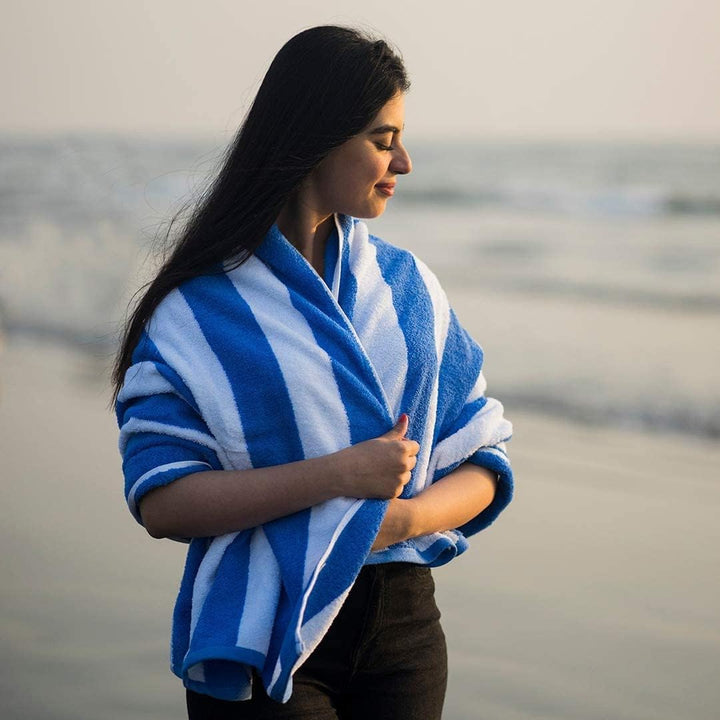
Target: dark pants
[383,658]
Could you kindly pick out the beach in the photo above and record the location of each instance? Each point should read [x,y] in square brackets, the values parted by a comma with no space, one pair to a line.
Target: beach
[595,595]
[556,167]
[590,275]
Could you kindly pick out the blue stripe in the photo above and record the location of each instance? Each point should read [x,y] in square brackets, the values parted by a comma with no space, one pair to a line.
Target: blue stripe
[228,670]
[343,564]
[271,433]
[354,375]
[146,451]
[153,354]
[165,409]
[269,425]
[503,491]
[288,265]
[282,640]
[270,430]
[460,367]
[288,538]
[465,415]
[347,295]
[218,621]
[411,300]
[183,605]
[160,478]
[330,258]
[356,381]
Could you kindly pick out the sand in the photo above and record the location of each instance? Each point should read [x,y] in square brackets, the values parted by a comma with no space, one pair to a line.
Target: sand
[594,596]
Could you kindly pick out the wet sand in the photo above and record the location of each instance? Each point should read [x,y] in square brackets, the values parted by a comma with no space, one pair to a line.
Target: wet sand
[594,596]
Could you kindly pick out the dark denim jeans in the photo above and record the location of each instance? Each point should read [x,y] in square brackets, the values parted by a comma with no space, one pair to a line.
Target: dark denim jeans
[383,657]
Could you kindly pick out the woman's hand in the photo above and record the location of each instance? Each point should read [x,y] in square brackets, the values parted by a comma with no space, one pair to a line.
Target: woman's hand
[213,502]
[381,467]
[446,504]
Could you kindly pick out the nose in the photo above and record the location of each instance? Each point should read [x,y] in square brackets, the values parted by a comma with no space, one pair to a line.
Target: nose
[401,163]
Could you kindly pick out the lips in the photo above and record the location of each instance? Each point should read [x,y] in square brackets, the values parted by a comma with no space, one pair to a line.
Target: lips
[386,188]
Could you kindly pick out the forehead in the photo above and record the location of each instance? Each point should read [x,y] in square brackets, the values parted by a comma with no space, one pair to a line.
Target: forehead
[391,116]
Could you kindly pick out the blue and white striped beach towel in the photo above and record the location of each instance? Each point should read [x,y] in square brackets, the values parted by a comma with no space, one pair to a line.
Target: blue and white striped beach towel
[267,364]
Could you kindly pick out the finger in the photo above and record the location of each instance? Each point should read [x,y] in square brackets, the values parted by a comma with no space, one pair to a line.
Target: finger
[400,486]
[413,448]
[400,428]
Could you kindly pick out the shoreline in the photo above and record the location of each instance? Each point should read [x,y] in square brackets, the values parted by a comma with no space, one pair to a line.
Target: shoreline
[594,595]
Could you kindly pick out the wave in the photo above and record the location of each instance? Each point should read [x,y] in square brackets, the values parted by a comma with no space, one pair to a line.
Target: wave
[72,177]
[691,417]
[685,419]
[80,338]
[657,299]
[610,202]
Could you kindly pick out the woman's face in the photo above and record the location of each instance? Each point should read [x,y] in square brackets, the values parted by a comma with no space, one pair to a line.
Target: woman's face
[358,177]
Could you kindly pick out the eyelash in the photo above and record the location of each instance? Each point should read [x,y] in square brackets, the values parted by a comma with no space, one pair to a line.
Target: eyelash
[387,148]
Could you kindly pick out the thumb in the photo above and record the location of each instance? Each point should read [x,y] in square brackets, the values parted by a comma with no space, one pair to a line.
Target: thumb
[400,428]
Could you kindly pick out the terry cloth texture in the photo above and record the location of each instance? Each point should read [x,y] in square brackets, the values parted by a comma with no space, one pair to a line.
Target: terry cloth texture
[267,364]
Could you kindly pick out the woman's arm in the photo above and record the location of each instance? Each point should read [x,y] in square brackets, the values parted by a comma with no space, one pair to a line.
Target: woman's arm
[215,502]
[446,504]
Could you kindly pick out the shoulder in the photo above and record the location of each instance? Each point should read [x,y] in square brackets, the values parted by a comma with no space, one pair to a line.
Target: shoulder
[194,304]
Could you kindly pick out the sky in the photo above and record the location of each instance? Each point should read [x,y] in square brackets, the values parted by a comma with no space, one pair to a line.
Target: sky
[576,69]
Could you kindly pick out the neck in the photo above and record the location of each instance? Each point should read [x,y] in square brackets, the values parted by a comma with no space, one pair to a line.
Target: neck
[306,230]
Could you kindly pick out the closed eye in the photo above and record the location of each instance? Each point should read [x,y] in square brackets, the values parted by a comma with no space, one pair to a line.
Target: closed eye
[382,146]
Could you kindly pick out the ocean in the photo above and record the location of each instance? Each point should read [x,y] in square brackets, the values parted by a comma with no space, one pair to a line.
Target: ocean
[589,272]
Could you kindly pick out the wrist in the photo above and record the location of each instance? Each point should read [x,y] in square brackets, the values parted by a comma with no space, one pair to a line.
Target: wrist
[404,518]
[395,525]
[411,518]
[339,479]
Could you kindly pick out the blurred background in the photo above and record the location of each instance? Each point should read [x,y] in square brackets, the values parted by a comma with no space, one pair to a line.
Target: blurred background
[566,190]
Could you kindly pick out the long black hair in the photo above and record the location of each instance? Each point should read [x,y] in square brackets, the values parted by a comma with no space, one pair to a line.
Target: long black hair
[324,86]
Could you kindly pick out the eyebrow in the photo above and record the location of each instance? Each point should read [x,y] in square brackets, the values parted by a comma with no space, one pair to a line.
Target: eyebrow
[383,129]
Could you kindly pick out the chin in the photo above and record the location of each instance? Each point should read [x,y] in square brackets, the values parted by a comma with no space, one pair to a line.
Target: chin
[368,213]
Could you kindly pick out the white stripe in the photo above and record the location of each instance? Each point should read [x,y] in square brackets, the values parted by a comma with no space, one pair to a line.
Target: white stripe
[206,575]
[317,626]
[497,450]
[300,635]
[178,337]
[321,529]
[478,389]
[258,615]
[136,425]
[486,428]
[423,542]
[337,275]
[151,473]
[441,307]
[314,629]
[317,404]
[306,368]
[333,506]
[441,323]
[376,321]
[143,379]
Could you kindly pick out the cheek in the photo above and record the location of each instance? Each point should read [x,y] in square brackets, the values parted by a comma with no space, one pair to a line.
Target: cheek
[363,177]
[371,174]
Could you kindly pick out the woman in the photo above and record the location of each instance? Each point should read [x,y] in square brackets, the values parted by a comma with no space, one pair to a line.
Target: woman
[296,398]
